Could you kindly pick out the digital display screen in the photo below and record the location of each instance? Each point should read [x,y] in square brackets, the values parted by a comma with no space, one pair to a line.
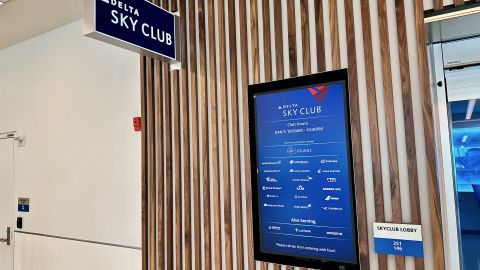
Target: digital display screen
[304,209]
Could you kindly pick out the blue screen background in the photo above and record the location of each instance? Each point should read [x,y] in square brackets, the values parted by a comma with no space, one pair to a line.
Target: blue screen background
[303,174]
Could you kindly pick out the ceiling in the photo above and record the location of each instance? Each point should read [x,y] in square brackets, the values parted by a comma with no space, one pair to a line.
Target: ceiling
[23,19]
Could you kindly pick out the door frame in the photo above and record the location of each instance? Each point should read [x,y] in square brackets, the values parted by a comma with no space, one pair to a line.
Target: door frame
[11,135]
[448,198]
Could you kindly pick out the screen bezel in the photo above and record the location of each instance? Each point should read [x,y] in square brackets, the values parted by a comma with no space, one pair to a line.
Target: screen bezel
[286,85]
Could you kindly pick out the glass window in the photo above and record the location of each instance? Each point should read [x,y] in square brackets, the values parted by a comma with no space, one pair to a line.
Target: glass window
[465,137]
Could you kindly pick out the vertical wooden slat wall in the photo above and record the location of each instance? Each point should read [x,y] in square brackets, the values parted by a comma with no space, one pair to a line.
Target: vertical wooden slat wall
[185,144]
[434,200]
[245,80]
[144,177]
[373,120]
[319,35]
[277,15]
[292,38]
[225,134]
[236,126]
[334,38]
[357,150]
[279,66]
[195,140]
[390,122]
[408,118]
[195,152]
[214,139]
[205,161]
[152,194]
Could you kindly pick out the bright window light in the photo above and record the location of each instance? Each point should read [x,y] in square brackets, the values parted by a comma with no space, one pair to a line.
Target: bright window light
[471,106]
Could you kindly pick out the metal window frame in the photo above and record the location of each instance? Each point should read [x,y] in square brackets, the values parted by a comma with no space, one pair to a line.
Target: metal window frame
[448,198]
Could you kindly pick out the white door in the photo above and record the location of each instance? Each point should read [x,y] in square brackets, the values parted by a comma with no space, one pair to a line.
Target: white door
[7,204]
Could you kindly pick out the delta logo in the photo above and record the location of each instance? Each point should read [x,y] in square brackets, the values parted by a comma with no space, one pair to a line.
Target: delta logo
[319,93]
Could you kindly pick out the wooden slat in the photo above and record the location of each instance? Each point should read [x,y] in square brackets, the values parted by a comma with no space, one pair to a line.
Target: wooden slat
[255,51]
[168,163]
[335,43]
[390,123]
[267,53]
[320,35]
[159,215]
[356,138]
[459,2]
[408,119]
[168,169]
[207,262]
[227,196]
[254,41]
[237,180]
[215,173]
[192,76]
[246,148]
[373,122]
[434,201]
[151,167]
[437,4]
[177,161]
[292,39]
[177,172]
[307,59]
[277,16]
[145,249]
[160,165]
[267,45]
[389,110]
[186,153]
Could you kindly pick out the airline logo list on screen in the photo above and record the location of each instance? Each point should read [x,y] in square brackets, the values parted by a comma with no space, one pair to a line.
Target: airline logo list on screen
[303,173]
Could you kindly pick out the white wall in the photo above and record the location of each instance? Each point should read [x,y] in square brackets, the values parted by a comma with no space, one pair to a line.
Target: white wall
[74,99]
[50,253]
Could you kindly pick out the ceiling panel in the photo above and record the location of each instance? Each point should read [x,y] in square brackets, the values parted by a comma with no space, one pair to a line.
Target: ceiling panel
[23,19]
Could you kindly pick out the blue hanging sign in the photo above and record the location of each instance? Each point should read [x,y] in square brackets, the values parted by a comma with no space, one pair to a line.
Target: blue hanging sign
[398,239]
[135,25]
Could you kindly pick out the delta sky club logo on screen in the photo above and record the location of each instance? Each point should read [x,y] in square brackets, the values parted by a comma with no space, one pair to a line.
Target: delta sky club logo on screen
[319,93]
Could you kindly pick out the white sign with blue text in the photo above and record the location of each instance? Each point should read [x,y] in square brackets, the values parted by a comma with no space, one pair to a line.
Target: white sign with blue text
[398,239]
